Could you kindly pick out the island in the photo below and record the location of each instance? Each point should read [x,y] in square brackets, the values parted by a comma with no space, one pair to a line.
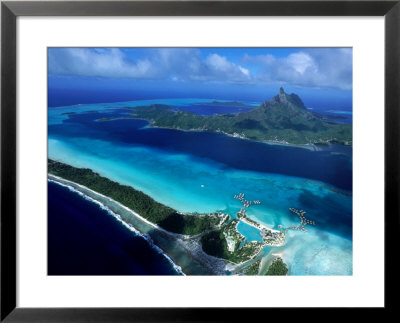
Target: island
[284,119]
[210,238]
[67,113]
[164,216]
[215,103]
[253,269]
[277,268]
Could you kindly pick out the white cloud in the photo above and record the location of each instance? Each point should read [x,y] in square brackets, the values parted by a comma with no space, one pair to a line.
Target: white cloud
[245,71]
[218,62]
[221,69]
[178,64]
[315,67]
[97,62]
[300,62]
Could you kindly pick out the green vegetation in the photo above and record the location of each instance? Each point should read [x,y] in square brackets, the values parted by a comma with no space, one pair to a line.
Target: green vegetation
[277,268]
[232,235]
[243,216]
[282,119]
[155,212]
[215,244]
[225,104]
[247,251]
[112,118]
[253,269]
[219,239]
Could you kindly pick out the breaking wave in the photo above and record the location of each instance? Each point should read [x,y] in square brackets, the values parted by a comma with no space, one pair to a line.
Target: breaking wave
[130,227]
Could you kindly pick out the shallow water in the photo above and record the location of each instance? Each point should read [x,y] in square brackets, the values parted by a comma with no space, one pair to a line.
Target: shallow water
[200,172]
[251,233]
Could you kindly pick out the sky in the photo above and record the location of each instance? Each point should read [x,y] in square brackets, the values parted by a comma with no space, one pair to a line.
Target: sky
[321,76]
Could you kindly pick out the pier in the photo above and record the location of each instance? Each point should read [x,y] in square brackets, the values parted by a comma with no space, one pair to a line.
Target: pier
[246,203]
[303,220]
[270,237]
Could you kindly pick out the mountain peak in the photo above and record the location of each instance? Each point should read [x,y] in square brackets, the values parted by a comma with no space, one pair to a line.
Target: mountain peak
[291,101]
[282,96]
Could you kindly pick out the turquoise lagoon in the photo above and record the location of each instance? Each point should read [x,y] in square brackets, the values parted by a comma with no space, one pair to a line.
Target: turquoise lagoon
[251,233]
[198,182]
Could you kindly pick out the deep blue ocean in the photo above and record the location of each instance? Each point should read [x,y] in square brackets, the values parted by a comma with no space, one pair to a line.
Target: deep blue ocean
[198,172]
[237,153]
[84,239]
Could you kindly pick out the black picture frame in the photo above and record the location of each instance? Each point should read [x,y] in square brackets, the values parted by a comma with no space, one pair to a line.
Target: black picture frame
[10,10]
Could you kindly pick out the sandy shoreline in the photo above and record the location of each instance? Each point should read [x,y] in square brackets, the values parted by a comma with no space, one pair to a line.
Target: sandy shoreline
[183,252]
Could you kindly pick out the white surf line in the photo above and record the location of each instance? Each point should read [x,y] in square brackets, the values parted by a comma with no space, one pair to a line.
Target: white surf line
[175,235]
[176,267]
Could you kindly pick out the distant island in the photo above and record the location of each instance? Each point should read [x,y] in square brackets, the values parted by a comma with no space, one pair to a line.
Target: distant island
[215,103]
[283,119]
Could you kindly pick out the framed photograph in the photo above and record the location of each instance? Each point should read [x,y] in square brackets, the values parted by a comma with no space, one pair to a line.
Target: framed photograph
[172,160]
